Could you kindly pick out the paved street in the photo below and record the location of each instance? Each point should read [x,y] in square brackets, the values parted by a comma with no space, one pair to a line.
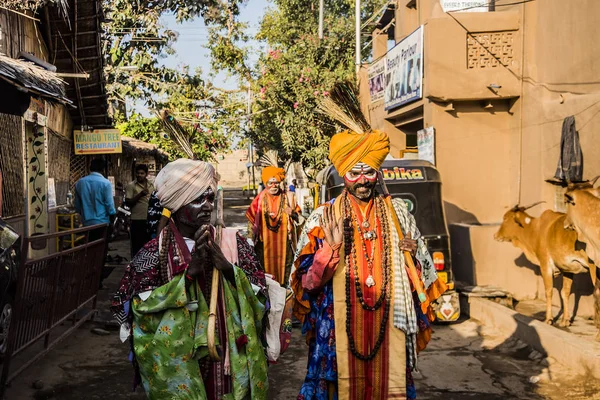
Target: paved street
[464,360]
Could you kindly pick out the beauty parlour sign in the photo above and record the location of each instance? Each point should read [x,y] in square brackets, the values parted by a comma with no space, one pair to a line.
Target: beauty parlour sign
[98,141]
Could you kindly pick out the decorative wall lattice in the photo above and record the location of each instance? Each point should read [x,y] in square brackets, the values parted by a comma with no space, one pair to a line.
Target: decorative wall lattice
[11,165]
[490,49]
[59,163]
[79,169]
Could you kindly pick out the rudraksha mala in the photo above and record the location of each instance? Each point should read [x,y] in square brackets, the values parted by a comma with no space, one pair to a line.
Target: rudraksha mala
[386,289]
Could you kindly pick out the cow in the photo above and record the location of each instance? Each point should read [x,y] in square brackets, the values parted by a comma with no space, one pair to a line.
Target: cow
[546,243]
[583,216]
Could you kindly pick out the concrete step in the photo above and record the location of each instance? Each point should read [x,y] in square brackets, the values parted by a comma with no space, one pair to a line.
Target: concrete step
[579,353]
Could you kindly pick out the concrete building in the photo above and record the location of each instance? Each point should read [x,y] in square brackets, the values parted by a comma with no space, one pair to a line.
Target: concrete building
[496,86]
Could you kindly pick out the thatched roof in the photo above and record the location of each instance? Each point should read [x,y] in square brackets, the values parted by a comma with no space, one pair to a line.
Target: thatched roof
[28,76]
[138,147]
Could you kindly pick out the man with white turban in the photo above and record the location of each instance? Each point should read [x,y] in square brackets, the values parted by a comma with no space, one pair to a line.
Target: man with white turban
[163,300]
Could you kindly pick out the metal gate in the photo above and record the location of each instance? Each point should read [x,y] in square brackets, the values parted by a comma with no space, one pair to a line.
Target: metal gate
[50,291]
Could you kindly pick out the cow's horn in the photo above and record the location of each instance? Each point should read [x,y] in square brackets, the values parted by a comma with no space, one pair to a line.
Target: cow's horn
[593,181]
[532,205]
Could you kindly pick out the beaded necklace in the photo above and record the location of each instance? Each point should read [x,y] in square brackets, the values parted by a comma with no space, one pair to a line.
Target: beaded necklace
[351,260]
[267,215]
[364,236]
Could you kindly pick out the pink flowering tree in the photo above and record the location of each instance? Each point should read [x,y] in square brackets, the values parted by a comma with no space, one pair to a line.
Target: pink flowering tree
[298,70]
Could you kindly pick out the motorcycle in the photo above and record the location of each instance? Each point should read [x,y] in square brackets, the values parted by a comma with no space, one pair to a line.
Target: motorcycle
[120,225]
[10,255]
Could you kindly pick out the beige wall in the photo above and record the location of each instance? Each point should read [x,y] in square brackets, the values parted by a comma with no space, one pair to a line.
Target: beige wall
[232,168]
[492,158]
[477,155]
[445,67]
[376,115]
[561,70]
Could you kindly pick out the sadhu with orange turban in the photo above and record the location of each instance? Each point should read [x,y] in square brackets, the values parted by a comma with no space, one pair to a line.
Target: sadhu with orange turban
[352,287]
[271,216]
[272,172]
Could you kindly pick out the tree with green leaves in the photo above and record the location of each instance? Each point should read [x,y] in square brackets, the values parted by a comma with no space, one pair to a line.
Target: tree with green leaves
[297,71]
[136,41]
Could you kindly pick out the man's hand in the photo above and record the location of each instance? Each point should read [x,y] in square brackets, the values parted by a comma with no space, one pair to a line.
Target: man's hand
[334,230]
[208,252]
[295,217]
[409,244]
[141,194]
[200,256]
[132,202]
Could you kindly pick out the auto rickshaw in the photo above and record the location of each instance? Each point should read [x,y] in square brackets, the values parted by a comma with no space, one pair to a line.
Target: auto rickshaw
[418,183]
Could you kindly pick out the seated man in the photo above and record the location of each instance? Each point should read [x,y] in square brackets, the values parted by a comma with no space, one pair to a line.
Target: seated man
[164,297]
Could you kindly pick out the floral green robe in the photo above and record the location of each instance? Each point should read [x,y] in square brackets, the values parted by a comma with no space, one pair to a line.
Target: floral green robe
[170,336]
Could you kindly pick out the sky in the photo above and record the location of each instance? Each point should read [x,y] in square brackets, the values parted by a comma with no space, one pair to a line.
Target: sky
[190,48]
[193,36]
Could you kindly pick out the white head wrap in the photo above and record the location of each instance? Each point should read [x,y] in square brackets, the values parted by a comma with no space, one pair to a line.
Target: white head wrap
[182,181]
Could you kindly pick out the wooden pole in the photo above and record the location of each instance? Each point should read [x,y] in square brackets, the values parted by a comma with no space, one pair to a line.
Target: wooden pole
[216,281]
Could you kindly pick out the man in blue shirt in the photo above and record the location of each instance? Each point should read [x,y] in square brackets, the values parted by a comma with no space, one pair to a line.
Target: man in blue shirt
[93,198]
[293,186]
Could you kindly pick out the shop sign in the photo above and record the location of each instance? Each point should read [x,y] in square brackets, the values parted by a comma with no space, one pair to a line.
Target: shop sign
[426,144]
[98,141]
[403,174]
[36,113]
[51,193]
[465,5]
[377,80]
[404,71]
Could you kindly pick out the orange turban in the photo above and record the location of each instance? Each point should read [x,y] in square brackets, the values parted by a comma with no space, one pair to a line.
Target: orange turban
[272,172]
[349,148]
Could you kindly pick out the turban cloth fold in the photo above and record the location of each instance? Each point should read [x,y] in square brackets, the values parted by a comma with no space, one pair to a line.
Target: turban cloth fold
[347,149]
[182,181]
[272,172]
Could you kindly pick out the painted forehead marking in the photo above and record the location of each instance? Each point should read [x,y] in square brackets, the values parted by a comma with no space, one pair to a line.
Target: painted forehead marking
[361,167]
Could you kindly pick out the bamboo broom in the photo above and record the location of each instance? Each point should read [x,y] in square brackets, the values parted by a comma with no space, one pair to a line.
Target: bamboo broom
[412,270]
[216,281]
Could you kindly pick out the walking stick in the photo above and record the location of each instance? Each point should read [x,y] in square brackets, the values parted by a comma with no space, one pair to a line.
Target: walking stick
[216,278]
[412,270]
